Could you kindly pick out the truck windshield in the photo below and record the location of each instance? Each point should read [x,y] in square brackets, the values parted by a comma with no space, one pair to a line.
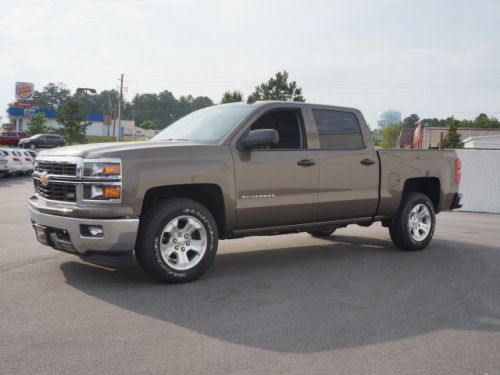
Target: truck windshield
[210,124]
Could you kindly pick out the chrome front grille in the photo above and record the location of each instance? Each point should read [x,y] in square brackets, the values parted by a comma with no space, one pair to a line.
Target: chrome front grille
[62,179]
[58,191]
[55,168]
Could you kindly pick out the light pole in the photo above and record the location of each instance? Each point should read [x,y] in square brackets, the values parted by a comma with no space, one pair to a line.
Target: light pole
[85,91]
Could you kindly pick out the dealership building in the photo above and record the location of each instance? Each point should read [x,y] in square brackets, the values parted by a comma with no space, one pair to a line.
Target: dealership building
[99,125]
[19,117]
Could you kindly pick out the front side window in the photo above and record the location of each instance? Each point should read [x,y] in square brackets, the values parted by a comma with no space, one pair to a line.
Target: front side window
[338,130]
[288,124]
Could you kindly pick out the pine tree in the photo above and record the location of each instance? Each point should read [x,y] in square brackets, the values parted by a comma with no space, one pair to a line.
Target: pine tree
[453,139]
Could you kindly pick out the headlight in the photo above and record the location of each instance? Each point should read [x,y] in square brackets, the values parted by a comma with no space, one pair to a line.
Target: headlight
[102,192]
[102,180]
[105,169]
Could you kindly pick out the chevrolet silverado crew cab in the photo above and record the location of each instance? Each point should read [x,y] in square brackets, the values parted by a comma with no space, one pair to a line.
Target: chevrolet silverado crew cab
[230,171]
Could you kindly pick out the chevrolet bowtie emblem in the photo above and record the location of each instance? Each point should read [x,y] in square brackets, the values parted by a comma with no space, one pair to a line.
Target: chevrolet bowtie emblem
[44,179]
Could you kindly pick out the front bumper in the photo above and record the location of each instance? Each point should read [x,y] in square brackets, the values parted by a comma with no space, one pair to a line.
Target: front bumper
[65,233]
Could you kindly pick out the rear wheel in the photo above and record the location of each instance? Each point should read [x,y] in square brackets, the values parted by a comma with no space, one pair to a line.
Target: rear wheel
[322,233]
[177,241]
[413,227]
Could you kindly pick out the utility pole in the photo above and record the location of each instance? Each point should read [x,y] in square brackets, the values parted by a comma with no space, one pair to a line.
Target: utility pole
[120,109]
[85,91]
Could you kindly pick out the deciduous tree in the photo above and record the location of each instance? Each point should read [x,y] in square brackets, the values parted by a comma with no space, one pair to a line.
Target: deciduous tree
[52,96]
[411,121]
[389,136]
[36,124]
[70,115]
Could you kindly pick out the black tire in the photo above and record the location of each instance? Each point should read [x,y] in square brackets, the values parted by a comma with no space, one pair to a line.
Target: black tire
[399,229]
[32,146]
[322,233]
[151,226]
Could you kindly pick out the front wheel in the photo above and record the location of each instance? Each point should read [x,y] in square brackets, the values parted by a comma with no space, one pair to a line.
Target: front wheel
[32,146]
[177,241]
[413,227]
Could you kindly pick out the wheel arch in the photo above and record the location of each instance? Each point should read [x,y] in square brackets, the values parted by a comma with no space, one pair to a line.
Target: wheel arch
[208,195]
[430,186]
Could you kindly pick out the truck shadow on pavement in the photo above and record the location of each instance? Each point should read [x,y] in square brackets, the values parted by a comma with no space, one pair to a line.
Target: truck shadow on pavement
[345,292]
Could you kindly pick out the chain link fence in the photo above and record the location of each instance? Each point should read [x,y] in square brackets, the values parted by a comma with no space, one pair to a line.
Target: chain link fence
[480,183]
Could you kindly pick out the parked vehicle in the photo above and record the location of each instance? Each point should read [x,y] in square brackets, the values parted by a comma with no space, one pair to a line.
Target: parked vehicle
[231,171]
[33,154]
[42,141]
[14,161]
[28,161]
[4,164]
[11,138]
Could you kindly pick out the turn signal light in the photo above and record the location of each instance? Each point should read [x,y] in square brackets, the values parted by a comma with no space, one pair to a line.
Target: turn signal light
[111,192]
[111,169]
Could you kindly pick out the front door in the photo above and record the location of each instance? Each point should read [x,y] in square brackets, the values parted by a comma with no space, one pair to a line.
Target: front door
[277,185]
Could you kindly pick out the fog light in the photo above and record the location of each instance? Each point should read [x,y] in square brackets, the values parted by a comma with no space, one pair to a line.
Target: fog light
[91,230]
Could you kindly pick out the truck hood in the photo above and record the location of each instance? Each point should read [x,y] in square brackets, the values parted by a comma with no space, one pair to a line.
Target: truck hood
[96,150]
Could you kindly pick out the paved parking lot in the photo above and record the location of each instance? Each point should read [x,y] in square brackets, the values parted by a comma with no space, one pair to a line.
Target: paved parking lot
[286,304]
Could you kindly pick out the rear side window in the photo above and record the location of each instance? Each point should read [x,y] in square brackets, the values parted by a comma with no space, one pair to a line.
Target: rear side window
[338,130]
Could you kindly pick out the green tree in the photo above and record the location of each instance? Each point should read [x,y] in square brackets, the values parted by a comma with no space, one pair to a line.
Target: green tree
[434,122]
[71,115]
[389,136]
[148,124]
[231,97]
[201,102]
[453,138]
[278,88]
[36,124]
[411,121]
[52,96]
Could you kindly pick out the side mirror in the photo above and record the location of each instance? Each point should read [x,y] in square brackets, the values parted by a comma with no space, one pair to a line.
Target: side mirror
[260,137]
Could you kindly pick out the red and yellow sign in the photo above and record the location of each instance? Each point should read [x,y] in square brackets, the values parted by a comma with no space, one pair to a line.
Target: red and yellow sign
[25,90]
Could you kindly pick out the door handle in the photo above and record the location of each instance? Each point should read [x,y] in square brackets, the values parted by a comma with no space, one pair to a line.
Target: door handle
[367,162]
[306,162]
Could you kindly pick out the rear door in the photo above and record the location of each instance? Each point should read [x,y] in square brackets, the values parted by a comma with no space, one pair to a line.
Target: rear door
[279,185]
[348,168]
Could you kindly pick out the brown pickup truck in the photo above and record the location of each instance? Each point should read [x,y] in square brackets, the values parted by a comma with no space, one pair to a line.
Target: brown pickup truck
[230,171]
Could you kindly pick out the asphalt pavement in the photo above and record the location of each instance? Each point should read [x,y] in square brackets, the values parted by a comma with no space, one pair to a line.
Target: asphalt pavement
[291,304]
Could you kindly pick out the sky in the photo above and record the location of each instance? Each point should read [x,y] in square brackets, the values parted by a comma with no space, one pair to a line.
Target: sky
[434,58]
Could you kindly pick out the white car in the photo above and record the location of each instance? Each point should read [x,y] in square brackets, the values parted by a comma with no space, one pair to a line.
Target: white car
[14,160]
[4,164]
[28,161]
